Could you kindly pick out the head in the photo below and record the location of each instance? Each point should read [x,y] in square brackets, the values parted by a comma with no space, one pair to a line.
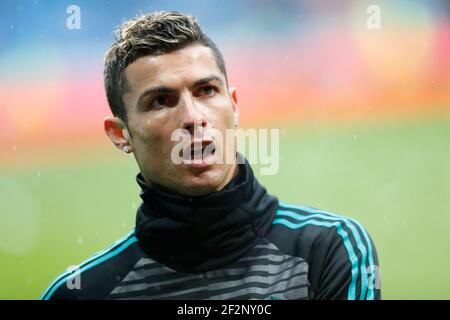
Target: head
[162,74]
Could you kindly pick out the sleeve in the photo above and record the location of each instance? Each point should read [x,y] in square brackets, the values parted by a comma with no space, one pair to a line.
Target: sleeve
[345,264]
[97,277]
[86,284]
[65,287]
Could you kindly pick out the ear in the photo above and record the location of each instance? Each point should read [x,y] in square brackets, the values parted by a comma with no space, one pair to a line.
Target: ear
[234,101]
[118,133]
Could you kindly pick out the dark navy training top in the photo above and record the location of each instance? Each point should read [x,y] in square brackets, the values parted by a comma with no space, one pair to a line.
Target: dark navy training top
[237,243]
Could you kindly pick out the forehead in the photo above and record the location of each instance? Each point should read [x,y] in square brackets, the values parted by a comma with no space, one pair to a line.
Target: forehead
[171,69]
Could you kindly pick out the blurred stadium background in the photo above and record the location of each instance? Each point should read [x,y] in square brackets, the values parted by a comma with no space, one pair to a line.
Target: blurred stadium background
[365,119]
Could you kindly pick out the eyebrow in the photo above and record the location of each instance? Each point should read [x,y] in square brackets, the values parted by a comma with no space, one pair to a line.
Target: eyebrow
[154,90]
[168,90]
[207,80]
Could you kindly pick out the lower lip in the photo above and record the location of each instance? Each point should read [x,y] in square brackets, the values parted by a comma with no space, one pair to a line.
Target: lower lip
[200,163]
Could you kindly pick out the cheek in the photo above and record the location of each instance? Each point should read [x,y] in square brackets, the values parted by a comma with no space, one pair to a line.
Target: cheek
[148,137]
[222,114]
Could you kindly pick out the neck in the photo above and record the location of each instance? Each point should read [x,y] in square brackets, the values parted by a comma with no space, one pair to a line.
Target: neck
[205,232]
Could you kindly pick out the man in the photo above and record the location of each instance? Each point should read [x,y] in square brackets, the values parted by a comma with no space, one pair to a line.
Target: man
[206,230]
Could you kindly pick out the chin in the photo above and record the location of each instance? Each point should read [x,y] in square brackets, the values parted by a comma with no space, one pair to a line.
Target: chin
[207,182]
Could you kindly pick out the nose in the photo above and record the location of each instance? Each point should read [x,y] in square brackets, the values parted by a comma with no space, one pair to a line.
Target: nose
[192,117]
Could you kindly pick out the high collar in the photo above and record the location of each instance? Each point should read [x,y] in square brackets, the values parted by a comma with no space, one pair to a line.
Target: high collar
[201,233]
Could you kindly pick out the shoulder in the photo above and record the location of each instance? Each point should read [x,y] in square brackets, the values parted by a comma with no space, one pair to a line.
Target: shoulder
[322,224]
[96,277]
[335,247]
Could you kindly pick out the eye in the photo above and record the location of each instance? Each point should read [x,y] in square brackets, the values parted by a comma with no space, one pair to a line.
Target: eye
[159,101]
[207,91]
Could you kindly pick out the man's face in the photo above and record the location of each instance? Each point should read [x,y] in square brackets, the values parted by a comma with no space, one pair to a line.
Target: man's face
[183,89]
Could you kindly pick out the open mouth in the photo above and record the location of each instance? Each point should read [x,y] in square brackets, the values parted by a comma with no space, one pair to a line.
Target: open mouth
[199,153]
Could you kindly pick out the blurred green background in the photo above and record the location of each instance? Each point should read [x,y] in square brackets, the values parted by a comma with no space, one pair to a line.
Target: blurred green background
[392,176]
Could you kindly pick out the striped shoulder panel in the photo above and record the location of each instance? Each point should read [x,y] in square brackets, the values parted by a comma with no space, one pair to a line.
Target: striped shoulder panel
[296,217]
[95,260]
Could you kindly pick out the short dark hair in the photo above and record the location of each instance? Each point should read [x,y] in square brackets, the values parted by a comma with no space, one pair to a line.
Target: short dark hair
[154,33]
